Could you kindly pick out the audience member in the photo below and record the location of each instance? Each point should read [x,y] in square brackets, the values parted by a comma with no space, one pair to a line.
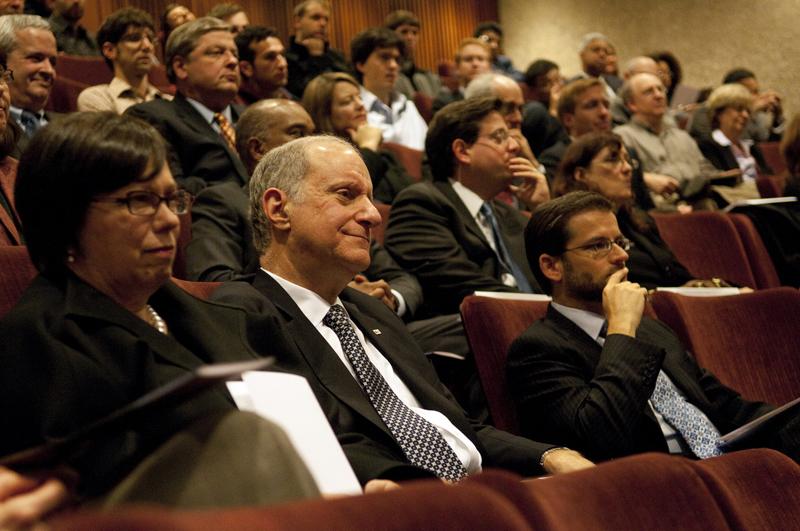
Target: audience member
[127,42]
[472,60]
[544,84]
[99,210]
[12,7]
[71,37]
[30,49]
[491,33]
[375,53]
[334,102]
[620,114]
[201,60]
[173,16]
[669,71]
[662,147]
[599,162]
[597,375]
[262,63]
[594,49]
[612,65]
[10,230]
[730,107]
[412,78]
[232,14]
[309,53]
[393,417]
[451,233]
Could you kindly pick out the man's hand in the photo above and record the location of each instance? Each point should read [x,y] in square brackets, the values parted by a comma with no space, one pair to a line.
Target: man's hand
[378,289]
[769,101]
[25,501]
[663,185]
[533,191]
[623,304]
[563,460]
[314,45]
[380,485]
[367,136]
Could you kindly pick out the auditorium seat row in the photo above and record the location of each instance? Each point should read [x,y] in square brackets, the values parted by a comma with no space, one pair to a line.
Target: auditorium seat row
[752,489]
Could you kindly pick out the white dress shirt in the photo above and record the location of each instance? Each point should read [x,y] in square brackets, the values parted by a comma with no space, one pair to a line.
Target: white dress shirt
[745,159]
[315,308]
[400,122]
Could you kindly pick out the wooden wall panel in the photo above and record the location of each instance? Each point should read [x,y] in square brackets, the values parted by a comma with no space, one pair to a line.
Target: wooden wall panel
[444,22]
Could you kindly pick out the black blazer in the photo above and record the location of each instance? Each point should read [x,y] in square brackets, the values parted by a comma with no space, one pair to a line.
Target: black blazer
[722,157]
[24,139]
[571,391]
[197,155]
[367,442]
[71,355]
[432,235]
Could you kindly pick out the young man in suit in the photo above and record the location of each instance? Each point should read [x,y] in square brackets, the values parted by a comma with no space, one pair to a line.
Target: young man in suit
[595,374]
[312,215]
[202,60]
[452,233]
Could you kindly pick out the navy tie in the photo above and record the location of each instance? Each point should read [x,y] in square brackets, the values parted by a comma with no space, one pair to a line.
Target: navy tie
[506,260]
[30,122]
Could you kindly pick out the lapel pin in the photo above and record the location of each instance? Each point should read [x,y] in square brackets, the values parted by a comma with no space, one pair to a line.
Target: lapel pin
[376,331]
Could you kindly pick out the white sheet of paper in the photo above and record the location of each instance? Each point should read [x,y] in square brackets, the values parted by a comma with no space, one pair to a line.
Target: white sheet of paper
[288,401]
[701,292]
[513,296]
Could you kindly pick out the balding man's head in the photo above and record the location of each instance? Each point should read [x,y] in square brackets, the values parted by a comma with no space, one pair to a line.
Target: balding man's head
[640,65]
[503,88]
[645,96]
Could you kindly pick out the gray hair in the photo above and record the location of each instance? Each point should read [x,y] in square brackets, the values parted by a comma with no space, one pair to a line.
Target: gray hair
[11,24]
[183,40]
[589,37]
[285,168]
[481,86]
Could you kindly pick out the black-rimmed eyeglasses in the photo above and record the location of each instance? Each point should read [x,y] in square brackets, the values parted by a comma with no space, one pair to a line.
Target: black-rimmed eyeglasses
[142,203]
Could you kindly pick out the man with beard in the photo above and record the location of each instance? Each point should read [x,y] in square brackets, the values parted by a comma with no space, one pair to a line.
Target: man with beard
[595,374]
[71,36]
[262,64]
[29,45]
[127,39]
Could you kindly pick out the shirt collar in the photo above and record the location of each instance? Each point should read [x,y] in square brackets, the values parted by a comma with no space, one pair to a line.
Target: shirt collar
[119,86]
[16,113]
[312,305]
[589,322]
[720,138]
[207,113]
[471,200]
[370,100]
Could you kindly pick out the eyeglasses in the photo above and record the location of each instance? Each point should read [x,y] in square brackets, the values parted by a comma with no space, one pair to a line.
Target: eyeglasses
[499,137]
[6,75]
[138,36]
[602,248]
[142,203]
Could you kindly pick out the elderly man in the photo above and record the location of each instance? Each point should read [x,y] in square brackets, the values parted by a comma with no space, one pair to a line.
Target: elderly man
[662,147]
[30,48]
[594,50]
[262,63]
[472,60]
[309,53]
[595,373]
[71,36]
[127,40]
[312,217]
[202,60]
[638,65]
[376,53]
[412,78]
[451,233]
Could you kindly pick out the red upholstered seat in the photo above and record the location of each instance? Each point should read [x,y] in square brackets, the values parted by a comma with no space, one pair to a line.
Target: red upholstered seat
[16,273]
[64,95]
[491,326]
[378,233]
[760,262]
[201,290]
[770,185]
[411,159]
[424,104]
[773,157]
[87,70]
[748,341]
[708,244]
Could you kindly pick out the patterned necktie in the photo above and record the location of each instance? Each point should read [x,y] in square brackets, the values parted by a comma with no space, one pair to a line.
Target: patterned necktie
[226,130]
[420,441]
[698,432]
[30,122]
[502,251]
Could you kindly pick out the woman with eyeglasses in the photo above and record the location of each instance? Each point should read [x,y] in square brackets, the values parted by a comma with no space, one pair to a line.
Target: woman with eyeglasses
[334,102]
[599,162]
[102,324]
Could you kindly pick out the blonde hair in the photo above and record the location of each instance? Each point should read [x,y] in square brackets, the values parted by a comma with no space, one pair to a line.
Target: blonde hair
[728,95]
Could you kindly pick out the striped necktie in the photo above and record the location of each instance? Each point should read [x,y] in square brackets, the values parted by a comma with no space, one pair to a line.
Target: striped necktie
[226,130]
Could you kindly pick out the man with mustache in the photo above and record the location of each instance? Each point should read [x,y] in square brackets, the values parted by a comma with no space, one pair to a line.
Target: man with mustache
[595,374]
[376,54]
[71,36]
[127,38]
[30,47]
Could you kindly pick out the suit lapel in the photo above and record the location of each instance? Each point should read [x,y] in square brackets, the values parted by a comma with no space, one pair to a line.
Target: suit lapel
[8,173]
[461,210]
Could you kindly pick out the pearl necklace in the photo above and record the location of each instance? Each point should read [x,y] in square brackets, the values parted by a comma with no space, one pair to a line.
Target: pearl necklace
[156,320]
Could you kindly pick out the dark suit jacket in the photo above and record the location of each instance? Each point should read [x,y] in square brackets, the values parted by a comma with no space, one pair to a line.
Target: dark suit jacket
[571,391]
[433,236]
[197,155]
[303,67]
[722,157]
[540,128]
[9,223]
[24,139]
[367,442]
[71,355]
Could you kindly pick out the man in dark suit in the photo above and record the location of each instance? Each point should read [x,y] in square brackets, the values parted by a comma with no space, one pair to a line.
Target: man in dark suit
[29,47]
[201,59]
[452,233]
[312,217]
[595,374]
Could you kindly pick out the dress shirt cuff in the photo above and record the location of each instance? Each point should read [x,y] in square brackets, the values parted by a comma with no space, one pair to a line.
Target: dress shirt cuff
[401,303]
